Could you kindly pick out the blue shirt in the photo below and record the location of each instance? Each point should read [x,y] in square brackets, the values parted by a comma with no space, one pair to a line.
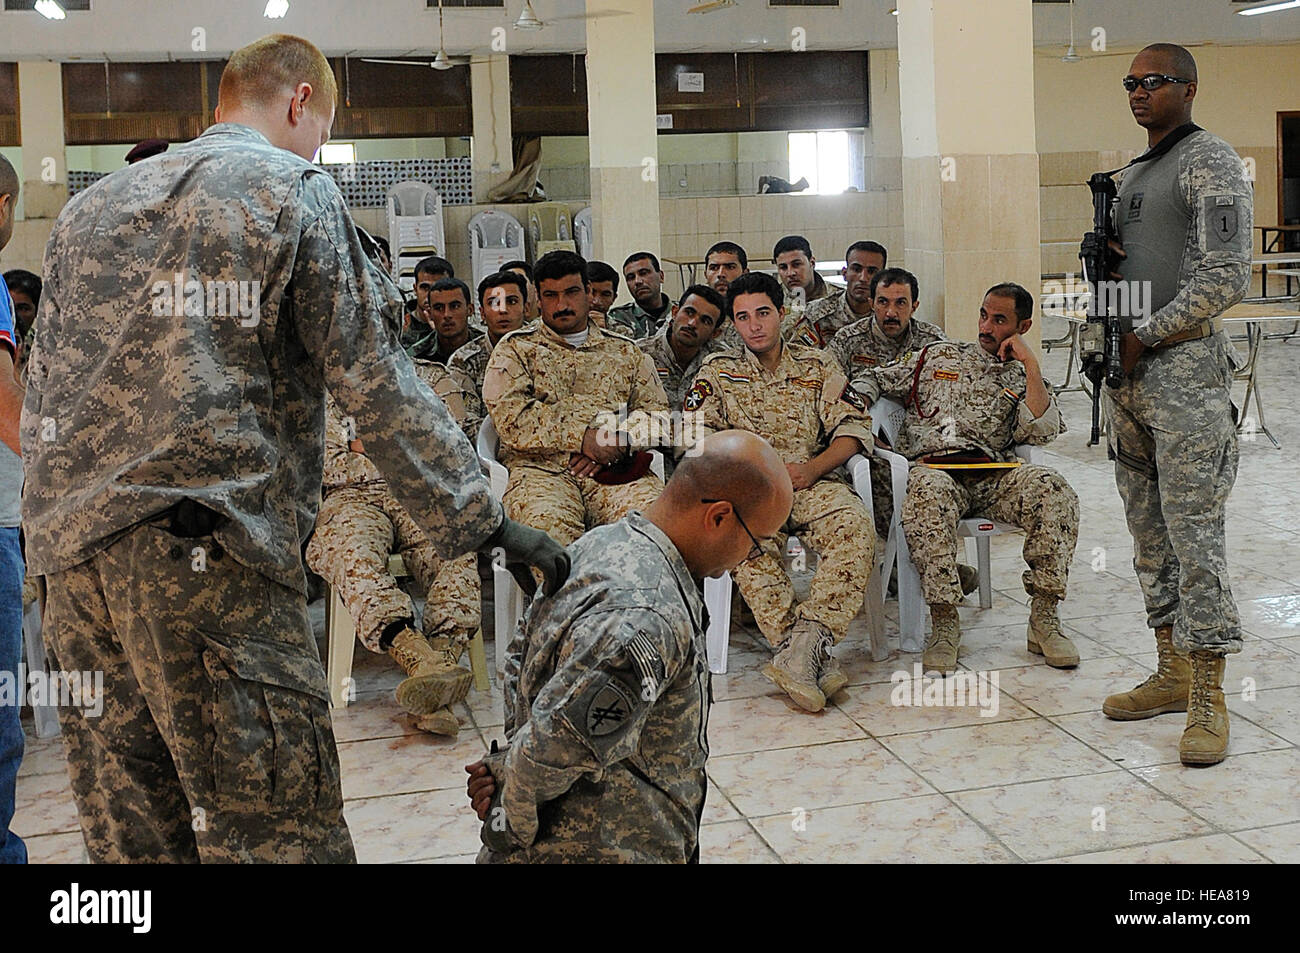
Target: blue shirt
[11,465]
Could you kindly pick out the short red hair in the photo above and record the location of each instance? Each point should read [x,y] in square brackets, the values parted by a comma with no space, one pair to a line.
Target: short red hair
[263,71]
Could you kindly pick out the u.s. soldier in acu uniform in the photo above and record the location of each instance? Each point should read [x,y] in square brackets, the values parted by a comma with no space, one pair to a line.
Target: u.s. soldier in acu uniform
[173,443]
[607,684]
[1184,221]
[798,400]
[983,398]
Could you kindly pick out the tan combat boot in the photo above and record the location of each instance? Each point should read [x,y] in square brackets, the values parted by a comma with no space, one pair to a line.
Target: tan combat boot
[1164,691]
[969,577]
[1045,637]
[832,679]
[794,669]
[441,722]
[1205,739]
[434,679]
[940,653]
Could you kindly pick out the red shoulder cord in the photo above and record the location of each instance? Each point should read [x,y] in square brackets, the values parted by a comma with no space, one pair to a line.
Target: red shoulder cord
[913,397]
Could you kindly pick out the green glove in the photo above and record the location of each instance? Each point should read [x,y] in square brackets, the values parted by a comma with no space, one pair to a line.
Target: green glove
[523,547]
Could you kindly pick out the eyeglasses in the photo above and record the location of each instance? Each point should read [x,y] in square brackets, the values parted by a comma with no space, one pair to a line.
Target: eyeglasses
[1151,82]
[757,549]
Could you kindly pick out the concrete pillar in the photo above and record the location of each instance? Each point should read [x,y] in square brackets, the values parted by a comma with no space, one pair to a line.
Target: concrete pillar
[621,127]
[490,89]
[45,165]
[970,159]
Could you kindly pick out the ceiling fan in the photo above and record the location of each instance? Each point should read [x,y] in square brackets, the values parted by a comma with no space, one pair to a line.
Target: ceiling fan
[440,62]
[529,20]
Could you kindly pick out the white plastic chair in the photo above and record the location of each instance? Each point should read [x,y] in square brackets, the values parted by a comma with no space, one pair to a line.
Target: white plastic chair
[507,597]
[44,717]
[584,232]
[887,418]
[549,229]
[341,634]
[415,228]
[495,238]
[717,592]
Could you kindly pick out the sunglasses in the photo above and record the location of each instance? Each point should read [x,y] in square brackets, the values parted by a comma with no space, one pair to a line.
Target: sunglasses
[757,549]
[1151,82]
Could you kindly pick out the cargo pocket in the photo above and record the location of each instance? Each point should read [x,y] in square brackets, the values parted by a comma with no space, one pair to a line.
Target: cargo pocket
[273,745]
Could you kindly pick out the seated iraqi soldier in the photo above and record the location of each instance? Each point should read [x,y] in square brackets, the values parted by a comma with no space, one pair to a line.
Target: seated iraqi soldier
[888,332]
[649,308]
[970,403]
[797,269]
[570,402]
[817,326]
[502,298]
[449,309]
[679,347]
[798,400]
[359,526]
[604,289]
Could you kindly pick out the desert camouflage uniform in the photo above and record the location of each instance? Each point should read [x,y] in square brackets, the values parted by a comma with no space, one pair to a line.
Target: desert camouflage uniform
[606,711]
[430,347]
[360,525]
[543,393]
[970,400]
[799,408]
[471,361]
[633,321]
[859,346]
[814,322]
[672,375]
[1171,421]
[217,699]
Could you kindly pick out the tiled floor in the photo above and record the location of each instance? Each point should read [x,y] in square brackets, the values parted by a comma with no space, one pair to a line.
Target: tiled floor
[1046,778]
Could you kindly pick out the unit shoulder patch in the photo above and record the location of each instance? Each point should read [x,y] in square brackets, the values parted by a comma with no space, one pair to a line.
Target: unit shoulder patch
[695,397]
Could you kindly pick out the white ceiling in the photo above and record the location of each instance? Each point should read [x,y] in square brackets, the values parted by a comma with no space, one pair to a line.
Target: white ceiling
[140,29]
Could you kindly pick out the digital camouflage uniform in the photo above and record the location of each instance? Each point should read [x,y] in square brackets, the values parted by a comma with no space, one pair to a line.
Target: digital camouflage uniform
[814,323]
[606,711]
[860,346]
[360,525]
[633,321]
[471,361]
[1171,421]
[215,740]
[799,408]
[969,400]
[543,394]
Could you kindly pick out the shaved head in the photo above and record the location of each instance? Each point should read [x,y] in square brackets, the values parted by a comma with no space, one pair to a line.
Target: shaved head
[8,178]
[1181,63]
[728,494]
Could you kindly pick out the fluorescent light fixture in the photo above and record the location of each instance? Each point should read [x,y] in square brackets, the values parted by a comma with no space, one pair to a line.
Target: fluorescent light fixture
[50,10]
[1269,8]
[338,153]
[528,19]
[276,9]
[711,5]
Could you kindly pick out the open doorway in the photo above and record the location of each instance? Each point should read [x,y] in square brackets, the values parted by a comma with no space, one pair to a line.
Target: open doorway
[1288,178]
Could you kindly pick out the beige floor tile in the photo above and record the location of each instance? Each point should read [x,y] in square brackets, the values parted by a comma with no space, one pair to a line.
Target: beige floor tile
[761,724]
[1138,744]
[1277,710]
[420,762]
[717,808]
[43,756]
[1125,632]
[1266,663]
[43,804]
[734,842]
[1245,791]
[1279,844]
[744,677]
[1076,815]
[373,715]
[890,709]
[979,756]
[403,827]
[1005,646]
[910,830]
[1212,849]
[56,849]
[1051,691]
[1275,618]
[454,859]
[817,776]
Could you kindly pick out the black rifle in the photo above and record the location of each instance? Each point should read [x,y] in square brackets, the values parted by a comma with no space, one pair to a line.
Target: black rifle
[1099,341]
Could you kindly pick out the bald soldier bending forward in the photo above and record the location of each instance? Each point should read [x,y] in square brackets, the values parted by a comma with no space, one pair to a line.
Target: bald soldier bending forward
[607,684]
